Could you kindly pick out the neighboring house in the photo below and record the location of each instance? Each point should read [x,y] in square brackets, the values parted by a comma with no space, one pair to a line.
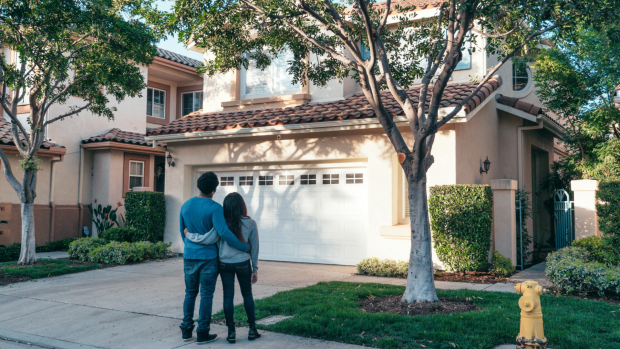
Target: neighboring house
[101,159]
[320,176]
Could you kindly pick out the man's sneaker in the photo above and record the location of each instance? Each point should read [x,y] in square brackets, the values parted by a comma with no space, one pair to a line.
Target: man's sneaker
[203,337]
[186,333]
[253,332]
[232,336]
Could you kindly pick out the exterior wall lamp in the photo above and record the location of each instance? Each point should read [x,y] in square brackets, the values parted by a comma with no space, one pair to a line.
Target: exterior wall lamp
[484,168]
[170,160]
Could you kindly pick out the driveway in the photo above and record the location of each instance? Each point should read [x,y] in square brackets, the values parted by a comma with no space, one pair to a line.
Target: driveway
[140,306]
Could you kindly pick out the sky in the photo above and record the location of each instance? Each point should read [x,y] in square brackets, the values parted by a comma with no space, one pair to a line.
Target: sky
[172,43]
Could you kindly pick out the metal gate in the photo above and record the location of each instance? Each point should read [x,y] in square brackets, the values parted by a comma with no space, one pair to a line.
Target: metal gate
[564,233]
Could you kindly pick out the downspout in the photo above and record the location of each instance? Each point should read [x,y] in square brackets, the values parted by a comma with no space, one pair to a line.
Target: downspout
[52,205]
[520,165]
[79,197]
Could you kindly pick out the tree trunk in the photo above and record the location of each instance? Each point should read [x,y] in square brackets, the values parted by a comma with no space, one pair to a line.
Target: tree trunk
[420,279]
[28,253]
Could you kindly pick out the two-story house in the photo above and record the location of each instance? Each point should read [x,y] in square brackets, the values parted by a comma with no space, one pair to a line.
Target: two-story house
[319,175]
[88,157]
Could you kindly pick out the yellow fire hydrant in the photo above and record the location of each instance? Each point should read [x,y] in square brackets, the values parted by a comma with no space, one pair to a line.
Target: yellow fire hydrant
[531,334]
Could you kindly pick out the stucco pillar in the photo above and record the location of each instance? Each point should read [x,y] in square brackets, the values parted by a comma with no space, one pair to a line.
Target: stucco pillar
[504,218]
[586,220]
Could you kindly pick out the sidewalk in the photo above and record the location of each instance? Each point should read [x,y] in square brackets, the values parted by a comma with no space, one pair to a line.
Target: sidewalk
[140,306]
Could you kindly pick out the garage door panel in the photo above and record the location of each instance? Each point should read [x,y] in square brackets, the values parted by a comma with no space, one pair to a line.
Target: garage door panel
[309,251]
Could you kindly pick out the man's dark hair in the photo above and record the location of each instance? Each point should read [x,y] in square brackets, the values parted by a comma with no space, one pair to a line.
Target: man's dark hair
[208,182]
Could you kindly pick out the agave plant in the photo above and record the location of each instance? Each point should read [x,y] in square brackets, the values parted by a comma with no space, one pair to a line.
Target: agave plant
[106,217]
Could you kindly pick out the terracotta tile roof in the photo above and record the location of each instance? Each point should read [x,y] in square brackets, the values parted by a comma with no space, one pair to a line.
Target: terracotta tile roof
[6,136]
[526,107]
[175,57]
[117,135]
[352,108]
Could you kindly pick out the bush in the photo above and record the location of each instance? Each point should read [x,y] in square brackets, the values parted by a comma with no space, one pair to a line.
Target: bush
[601,250]
[58,245]
[572,270]
[501,266]
[608,210]
[461,219]
[80,248]
[120,234]
[388,268]
[146,212]
[123,252]
[10,253]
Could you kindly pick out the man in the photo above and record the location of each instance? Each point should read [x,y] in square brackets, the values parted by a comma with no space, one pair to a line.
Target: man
[200,264]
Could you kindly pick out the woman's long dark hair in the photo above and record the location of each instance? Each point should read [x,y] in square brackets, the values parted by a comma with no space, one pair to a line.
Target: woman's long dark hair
[234,210]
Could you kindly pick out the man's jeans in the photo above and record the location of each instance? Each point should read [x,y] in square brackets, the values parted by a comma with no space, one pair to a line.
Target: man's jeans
[243,270]
[199,274]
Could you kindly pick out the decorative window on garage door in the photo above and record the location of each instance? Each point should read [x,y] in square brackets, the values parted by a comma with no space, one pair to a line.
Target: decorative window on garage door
[286,179]
[246,180]
[308,179]
[333,178]
[355,178]
[265,180]
[227,181]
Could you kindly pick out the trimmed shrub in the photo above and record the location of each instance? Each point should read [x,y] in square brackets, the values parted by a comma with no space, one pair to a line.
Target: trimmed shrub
[601,250]
[123,252]
[461,219]
[501,266]
[120,234]
[10,253]
[146,212]
[608,210]
[388,268]
[80,248]
[572,270]
[58,245]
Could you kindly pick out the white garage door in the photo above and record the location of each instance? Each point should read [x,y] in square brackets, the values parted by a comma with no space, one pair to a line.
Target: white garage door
[313,215]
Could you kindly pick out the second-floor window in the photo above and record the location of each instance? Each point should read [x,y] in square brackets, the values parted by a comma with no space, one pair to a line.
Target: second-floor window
[155,103]
[191,102]
[275,79]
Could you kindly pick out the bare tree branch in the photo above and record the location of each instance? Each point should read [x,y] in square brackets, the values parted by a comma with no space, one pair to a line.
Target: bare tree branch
[495,36]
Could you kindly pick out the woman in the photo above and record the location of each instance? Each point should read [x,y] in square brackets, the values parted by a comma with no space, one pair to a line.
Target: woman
[234,262]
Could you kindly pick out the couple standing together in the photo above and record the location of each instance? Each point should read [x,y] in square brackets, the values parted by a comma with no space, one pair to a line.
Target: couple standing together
[218,241]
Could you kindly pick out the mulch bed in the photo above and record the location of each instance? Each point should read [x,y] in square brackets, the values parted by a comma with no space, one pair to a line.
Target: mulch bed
[475,277]
[393,304]
[11,279]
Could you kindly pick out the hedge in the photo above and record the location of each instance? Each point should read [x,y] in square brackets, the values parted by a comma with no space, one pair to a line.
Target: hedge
[11,253]
[145,211]
[102,251]
[461,219]
[79,249]
[601,250]
[120,235]
[501,266]
[388,268]
[572,270]
[608,210]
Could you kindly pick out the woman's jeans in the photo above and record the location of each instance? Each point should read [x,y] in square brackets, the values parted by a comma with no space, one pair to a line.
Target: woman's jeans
[243,270]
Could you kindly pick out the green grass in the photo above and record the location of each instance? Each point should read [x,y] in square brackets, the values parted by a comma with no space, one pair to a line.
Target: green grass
[330,311]
[46,268]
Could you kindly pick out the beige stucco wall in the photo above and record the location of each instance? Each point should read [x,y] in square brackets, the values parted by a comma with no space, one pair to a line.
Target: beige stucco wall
[8,195]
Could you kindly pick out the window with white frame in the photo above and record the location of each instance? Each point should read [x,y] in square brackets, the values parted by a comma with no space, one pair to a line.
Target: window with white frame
[191,102]
[227,181]
[275,79]
[520,76]
[286,179]
[309,179]
[265,180]
[354,178]
[332,178]
[155,103]
[465,62]
[246,180]
[136,174]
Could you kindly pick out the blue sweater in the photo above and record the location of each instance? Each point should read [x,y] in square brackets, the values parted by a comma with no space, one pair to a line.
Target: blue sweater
[199,215]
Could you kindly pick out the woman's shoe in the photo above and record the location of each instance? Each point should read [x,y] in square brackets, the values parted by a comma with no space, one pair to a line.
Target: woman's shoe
[232,337]
[253,332]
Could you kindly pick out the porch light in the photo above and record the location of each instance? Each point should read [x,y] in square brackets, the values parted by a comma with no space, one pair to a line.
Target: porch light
[170,160]
[484,168]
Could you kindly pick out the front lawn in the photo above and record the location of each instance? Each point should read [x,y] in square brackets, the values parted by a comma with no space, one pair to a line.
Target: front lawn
[331,311]
[10,272]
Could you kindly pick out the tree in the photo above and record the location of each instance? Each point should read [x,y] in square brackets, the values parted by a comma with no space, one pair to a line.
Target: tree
[66,48]
[401,49]
[577,80]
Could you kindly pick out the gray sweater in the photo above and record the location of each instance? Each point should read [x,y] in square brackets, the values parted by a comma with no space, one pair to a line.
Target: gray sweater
[229,254]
